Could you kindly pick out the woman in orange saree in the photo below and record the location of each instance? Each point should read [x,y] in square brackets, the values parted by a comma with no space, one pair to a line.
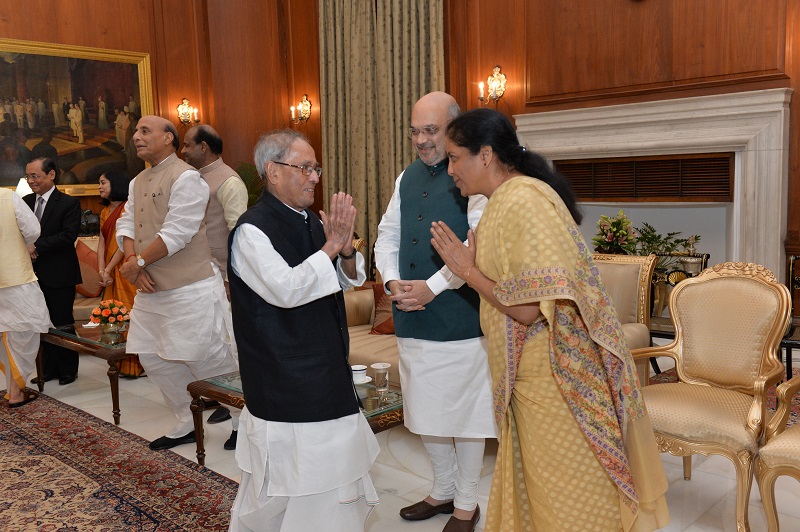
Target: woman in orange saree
[113,186]
[576,447]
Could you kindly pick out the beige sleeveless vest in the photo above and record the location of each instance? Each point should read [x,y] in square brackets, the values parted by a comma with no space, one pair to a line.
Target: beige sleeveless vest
[151,192]
[15,261]
[215,174]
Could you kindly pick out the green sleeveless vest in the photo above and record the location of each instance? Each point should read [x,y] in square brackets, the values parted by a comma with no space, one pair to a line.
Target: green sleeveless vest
[428,194]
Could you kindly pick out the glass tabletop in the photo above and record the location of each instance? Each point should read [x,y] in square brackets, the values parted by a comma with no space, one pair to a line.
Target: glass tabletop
[92,335]
[374,403]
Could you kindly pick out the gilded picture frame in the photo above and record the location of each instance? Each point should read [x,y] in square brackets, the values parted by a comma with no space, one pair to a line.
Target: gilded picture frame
[47,71]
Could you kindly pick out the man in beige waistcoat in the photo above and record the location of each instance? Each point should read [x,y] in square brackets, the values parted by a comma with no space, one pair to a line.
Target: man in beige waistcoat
[202,148]
[179,325]
[23,311]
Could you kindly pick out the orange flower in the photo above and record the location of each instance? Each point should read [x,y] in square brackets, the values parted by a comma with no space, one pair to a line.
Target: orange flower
[118,303]
[112,319]
[115,310]
[96,311]
[105,312]
[94,319]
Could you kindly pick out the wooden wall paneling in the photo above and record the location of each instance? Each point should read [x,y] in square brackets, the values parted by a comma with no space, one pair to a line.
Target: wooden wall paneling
[301,27]
[728,38]
[792,33]
[94,23]
[175,34]
[577,47]
[248,74]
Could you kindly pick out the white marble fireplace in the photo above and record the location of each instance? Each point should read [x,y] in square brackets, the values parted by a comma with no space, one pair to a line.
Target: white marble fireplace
[753,125]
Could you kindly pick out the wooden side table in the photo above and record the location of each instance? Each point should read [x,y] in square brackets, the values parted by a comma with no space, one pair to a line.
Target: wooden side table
[383,411]
[87,341]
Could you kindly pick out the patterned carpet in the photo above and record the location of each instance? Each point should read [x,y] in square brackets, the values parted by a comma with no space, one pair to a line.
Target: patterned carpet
[794,416]
[65,470]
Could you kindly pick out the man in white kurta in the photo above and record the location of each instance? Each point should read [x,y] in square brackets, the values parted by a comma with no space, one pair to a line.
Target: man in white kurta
[23,311]
[443,366]
[178,321]
[297,475]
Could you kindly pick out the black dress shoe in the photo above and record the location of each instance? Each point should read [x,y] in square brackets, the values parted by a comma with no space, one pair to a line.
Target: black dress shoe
[164,442]
[230,444]
[460,525]
[45,378]
[67,380]
[219,415]
[423,510]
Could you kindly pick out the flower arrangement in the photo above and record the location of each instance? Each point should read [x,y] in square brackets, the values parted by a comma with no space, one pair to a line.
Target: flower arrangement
[615,235]
[110,311]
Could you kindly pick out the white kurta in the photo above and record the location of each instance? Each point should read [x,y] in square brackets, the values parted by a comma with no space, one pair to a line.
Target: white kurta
[189,327]
[23,311]
[446,385]
[189,322]
[299,476]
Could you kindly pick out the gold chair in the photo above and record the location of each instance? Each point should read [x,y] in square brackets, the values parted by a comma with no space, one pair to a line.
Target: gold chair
[781,454]
[628,279]
[728,324]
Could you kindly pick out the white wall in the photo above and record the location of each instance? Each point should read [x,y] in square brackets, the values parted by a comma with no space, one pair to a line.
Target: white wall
[708,221]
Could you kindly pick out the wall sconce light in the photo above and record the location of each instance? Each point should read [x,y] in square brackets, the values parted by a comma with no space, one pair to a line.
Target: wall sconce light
[186,113]
[496,83]
[302,112]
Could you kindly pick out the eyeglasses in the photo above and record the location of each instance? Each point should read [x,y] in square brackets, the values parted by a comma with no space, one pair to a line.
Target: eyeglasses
[32,177]
[428,130]
[306,169]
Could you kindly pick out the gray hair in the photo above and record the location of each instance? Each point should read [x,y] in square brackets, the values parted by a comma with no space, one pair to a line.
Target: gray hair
[272,146]
[453,110]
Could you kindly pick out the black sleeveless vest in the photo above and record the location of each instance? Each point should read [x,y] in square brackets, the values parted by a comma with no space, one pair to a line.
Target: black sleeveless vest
[293,361]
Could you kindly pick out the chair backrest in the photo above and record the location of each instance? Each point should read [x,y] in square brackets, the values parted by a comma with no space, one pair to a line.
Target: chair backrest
[628,279]
[729,321]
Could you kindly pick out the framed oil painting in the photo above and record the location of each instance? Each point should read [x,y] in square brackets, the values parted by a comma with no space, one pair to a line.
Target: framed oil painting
[76,103]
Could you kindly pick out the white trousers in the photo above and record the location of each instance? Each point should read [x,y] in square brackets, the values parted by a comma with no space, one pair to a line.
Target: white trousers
[457,464]
[18,356]
[173,376]
[340,510]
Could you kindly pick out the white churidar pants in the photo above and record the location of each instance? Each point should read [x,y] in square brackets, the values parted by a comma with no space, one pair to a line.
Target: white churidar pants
[457,464]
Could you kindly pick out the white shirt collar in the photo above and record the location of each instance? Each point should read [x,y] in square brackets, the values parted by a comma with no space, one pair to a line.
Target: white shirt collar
[46,195]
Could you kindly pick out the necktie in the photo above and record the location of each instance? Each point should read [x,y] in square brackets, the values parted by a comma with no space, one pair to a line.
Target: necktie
[39,208]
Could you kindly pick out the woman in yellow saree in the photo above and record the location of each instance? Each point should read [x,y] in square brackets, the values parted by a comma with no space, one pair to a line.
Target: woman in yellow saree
[577,451]
[113,186]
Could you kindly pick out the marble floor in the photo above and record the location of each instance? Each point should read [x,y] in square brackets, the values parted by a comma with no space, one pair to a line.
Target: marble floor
[402,473]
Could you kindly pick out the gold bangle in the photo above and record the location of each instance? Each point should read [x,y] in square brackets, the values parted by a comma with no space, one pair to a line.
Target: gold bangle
[466,277]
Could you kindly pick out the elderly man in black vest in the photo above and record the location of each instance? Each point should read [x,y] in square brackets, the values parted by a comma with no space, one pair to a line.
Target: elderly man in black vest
[306,456]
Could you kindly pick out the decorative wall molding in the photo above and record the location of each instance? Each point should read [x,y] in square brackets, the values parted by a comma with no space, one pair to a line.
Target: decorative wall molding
[754,125]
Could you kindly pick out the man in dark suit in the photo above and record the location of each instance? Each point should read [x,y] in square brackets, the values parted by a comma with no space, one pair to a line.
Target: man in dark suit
[54,259]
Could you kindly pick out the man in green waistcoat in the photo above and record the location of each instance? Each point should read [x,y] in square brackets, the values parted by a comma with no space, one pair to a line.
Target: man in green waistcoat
[443,368]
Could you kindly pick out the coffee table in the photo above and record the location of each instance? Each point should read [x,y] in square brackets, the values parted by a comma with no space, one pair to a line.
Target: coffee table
[382,410]
[88,341]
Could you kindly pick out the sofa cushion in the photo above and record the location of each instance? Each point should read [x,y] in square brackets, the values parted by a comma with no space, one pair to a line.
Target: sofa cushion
[366,348]
[383,323]
[358,305]
[83,306]
[87,259]
[637,335]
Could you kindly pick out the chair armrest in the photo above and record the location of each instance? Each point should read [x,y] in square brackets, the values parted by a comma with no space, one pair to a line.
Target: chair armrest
[784,394]
[645,353]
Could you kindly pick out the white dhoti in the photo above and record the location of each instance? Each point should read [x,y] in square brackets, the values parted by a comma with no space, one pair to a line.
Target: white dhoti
[447,389]
[181,336]
[304,476]
[23,317]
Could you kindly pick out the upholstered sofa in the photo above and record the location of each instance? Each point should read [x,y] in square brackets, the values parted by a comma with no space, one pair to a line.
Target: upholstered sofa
[88,293]
[366,348]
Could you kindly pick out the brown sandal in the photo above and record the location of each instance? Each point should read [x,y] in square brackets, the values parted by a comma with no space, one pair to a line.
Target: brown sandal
[30,395]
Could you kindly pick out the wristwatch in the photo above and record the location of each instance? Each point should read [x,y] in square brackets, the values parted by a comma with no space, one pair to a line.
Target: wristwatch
[140,261]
